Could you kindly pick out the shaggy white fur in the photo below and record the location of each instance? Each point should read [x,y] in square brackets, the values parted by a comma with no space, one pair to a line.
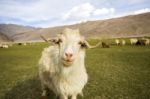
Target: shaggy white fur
[64,81]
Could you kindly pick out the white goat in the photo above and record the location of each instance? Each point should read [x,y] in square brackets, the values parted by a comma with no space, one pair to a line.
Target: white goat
[61,67]
[147,41]
[24,44]
[133,41]
[117,41]
[4,46]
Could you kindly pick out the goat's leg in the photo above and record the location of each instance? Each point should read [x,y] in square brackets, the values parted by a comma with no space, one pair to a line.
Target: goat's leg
[74,96]
[44,90]
[44,93]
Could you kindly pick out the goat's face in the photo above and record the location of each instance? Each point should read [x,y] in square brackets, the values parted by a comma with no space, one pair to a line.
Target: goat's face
[71,44]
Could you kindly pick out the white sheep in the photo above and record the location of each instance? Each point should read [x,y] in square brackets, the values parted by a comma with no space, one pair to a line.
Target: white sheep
[3,45]
[147,41]
[24,44]
[117,41]
[133,41]
[61,66]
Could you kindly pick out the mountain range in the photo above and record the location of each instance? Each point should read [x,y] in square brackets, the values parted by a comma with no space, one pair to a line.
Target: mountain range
[128,26]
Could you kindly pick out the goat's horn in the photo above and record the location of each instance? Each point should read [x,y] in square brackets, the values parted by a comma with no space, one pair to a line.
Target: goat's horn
[91,46]
[44,38]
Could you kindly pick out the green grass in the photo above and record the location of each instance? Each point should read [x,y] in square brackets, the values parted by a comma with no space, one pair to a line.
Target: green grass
[118,72]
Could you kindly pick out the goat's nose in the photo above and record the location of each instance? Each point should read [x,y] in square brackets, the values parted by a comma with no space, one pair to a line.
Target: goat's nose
[69,55]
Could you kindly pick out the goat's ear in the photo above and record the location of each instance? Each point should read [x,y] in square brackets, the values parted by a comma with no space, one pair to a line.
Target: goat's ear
[83,44]
[55,40]
[87,45]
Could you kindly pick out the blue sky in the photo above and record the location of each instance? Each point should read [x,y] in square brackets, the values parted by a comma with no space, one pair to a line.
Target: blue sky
[49,13]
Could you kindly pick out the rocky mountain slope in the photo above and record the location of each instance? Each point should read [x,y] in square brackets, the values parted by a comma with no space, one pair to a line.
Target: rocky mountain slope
[128,26]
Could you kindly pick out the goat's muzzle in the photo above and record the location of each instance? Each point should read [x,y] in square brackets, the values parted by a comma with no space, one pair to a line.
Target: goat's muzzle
[67,62]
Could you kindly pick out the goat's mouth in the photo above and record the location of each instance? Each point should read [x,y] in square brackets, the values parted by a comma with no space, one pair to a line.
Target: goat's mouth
[67,62]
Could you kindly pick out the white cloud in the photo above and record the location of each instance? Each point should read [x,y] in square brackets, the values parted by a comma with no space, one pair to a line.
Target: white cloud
[142,11]
[59,12]
[104,11]
[80,11]
[86,11]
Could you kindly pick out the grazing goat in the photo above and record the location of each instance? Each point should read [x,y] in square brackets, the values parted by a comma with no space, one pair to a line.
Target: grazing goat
[133,41]
[61,66]
[117,41]
[141,42]
[104,45]
[19,43]
[24,44]
[4,46]
[147,41]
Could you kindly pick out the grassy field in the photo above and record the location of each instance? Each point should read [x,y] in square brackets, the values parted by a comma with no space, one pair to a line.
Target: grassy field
[118,72]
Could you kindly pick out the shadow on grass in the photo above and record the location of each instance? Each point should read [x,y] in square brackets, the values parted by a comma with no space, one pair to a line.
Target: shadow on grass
[29,89]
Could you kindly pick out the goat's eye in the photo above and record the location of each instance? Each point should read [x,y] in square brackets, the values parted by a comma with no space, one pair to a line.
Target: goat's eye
[82,44]
[59,41]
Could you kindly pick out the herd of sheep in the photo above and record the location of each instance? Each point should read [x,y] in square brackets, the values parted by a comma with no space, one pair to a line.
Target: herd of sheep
[5,45]
[9,44]
[133,41]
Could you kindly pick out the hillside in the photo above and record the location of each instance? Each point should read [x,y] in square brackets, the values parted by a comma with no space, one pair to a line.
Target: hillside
[4,38]
[128,26]
[10,30]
